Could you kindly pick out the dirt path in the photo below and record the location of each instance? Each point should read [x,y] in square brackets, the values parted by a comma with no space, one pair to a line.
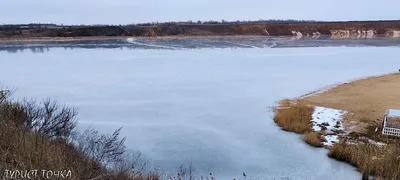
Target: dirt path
[365,99]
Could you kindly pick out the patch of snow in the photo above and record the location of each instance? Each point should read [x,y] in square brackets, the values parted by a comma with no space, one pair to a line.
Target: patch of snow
[376,143]
[240,44]
[330,139]
[324,89]
[396,34]
[297,35]
[339,34]
[274,44]
[267,32]
[136,42]
[370,33]
[373,142]
[327,117]
[318,91]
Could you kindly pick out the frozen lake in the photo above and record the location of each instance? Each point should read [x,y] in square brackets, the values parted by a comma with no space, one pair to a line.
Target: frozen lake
[209,106]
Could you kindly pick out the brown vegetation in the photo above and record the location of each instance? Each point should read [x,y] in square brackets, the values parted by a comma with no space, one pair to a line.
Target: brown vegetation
[312,138]
[380,161]
[193,29]
[367,100]
[41,136]
[294,116]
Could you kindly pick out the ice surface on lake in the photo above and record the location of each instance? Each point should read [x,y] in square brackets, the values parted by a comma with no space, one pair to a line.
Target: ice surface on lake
[199,43]
[208,106]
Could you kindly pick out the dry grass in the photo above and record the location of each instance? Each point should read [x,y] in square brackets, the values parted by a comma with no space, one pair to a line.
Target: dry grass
[22,149]
[365,99]
[312,138]
[294,116]
[25,146]
[380,161]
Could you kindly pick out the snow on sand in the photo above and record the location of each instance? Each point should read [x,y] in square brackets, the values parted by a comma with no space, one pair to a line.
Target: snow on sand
[329,120]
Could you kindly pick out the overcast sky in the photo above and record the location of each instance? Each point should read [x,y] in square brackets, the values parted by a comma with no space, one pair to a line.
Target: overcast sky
[135,11]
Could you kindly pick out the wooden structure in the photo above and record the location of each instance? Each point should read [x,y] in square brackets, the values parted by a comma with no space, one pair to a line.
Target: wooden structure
[391,123]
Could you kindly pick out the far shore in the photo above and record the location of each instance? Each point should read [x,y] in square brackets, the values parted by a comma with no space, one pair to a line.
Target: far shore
[84,38]
[16,39]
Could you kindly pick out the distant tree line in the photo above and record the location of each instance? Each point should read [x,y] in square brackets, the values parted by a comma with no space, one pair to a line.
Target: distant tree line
[44,25]
[261,21]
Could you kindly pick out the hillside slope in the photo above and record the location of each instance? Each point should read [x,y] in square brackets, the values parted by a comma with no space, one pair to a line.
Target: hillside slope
[356,28]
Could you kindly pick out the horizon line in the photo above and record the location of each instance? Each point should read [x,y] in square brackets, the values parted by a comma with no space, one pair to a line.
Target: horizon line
[208,22]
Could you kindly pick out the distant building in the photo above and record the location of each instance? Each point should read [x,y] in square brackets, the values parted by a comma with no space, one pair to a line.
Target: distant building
[24,27]
[391,123]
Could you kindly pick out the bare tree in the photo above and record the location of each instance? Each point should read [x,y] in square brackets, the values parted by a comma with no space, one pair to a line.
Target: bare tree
[5,93]
[191,171]
[49,118]
[138,162]
[106,149]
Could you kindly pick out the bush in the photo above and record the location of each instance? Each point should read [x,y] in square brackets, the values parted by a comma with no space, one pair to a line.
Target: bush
[47,118]
[108,150]
[312,138]
[380,161]
[42,136]
[294,116]
[24,149]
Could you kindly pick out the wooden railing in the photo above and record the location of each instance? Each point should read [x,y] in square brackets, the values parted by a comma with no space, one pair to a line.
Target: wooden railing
[391,131]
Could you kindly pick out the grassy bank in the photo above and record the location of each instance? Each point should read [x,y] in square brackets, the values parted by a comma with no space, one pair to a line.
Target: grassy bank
[380,161]
[293,116]
[42,136]
[362,145]
[312,138]
[366,100]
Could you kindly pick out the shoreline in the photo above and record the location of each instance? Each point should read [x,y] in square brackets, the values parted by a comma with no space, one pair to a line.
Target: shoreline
[349,29]
[281,38]
[333,85]
[346,119]
[83,38]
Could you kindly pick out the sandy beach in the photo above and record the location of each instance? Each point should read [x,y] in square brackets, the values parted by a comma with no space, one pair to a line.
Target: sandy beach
[346,119]
[366,100]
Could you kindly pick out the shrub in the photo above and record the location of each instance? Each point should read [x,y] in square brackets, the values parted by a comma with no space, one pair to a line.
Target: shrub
[41,136]
[23,149]
[312,138]
[108,150]
[47,118]
[380,161]
[294,116]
